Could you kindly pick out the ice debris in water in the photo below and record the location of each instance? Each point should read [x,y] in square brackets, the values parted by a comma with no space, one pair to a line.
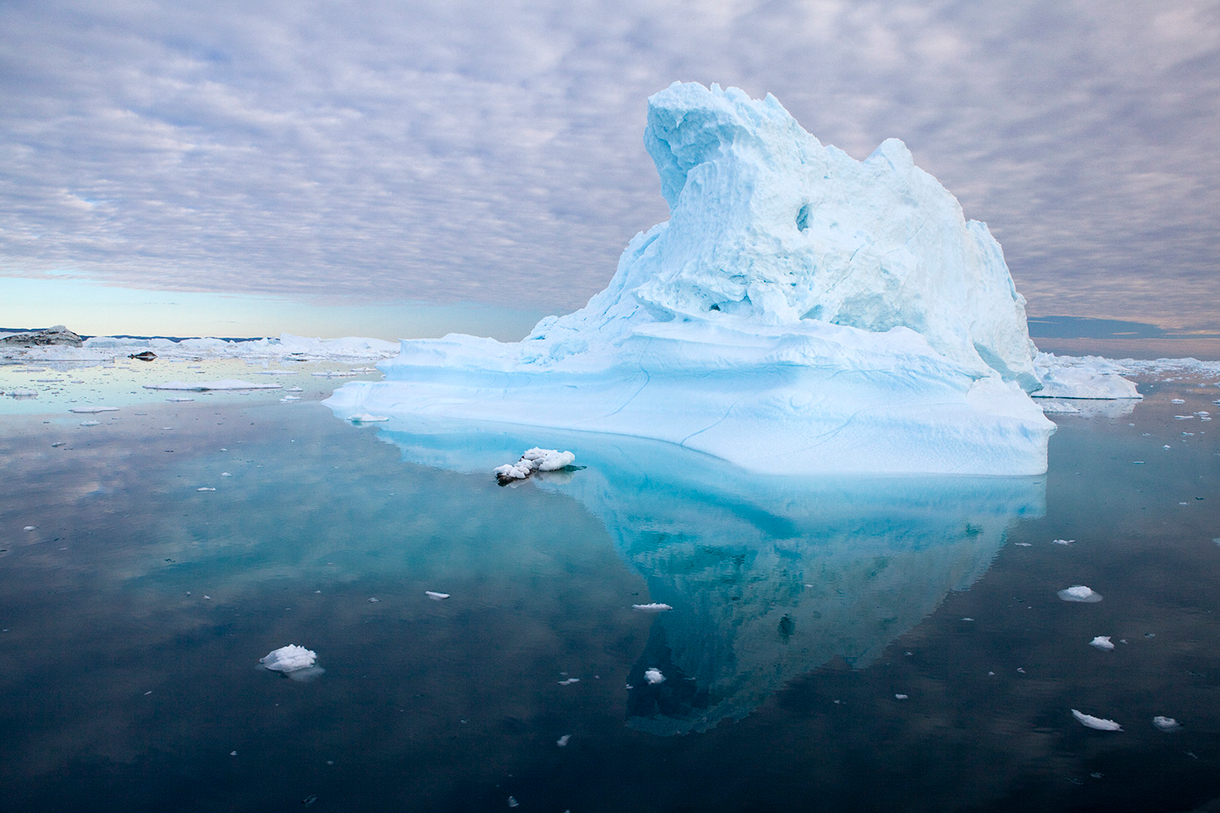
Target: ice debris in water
[92,410]
[1177,401]
[1064,541]
[1081,593]
[1089,721]
[654,675]
[1102,642]
[1165,723]
[651,608]
[533,460]
[89,423]
[562,742]
[296,662]
[569,681]
[206,386]
[435,596]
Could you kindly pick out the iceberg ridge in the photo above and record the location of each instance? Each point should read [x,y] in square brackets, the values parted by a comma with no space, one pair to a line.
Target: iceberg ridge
[801,312]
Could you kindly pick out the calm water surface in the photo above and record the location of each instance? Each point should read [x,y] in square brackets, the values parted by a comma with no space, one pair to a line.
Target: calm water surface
[847,644]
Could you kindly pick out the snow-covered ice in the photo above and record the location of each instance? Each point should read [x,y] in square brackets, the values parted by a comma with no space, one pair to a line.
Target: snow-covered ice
[654,676]
[801,312]
[1080,593]
[1102,642]
[655,607]
[289,658]
[1165,723]
[1089,721]
[533,460]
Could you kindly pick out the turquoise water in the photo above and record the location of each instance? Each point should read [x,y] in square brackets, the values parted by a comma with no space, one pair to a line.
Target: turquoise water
[136,609]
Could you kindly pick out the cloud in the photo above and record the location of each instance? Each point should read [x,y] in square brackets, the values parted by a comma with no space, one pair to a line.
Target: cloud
[460,151]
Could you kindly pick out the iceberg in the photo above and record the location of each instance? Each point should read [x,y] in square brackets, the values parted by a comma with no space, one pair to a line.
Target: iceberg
[801,312]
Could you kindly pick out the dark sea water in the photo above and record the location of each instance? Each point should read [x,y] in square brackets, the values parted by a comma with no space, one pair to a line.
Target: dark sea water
[836,644]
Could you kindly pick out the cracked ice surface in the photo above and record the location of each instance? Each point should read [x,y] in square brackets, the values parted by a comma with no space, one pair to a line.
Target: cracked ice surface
[801,312]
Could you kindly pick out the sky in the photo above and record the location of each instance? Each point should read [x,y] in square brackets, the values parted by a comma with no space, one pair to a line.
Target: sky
[400,168]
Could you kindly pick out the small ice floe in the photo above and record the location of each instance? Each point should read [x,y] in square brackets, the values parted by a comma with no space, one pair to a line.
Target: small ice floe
[655,607]
[570,681]
[654,675]
[435,596]
[901,696]
[296,662]
[225,474]
[1102,642]
[207,386]
[90,423]
[1058,408]
[19,393]
[1165,723]
[92,410]
[1063,541]
[1183,417]
[1079,592]
[179,400]
[364,417]
[334,374]
[512,802]
[205,488]
[1178,401]
[30,528]
[531,461]
[1089,721]
[374,600]
[289,398]
[562,742]
[294,389]
[1023,544]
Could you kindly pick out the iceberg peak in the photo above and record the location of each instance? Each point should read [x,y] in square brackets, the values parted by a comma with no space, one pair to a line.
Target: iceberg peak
[800,312]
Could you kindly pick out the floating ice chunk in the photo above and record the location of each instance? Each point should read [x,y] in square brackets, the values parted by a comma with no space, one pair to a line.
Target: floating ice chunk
[1023,544]
[1177,401]
[1102,642]
[35,528]
[225,474]
[1165,723]
[651,608]
[289,659]
[179,399]
[1058,408]
[335,374]
[206,386]
[1079,593]
[1089,721]
[294,389]
[901,696]
[205,488]
[1184,417]
[1064,541]
[512,802]
[21,393]
[432,594]
[569,681]
[89,423]
[93,410]
[364,417]
[288,398]
[374,600]
[654,676]
[562,742]
[533,460]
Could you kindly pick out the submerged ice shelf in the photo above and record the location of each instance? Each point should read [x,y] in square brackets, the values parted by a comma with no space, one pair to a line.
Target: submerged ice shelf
[801,312]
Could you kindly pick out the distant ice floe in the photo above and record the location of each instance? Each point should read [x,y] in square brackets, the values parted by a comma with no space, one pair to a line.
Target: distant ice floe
[531,461]
[286,347]
[1098,723]
[90,423]
[651,608]
[1102,642]
[654,676]
[207,386]
[1088,377]
[93,410]
[1165,723]
[296,662]
[435,596]
[562,742]
[1080,593]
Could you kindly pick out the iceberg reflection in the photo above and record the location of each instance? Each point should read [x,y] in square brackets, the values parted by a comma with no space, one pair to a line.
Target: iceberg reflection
[769,577]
